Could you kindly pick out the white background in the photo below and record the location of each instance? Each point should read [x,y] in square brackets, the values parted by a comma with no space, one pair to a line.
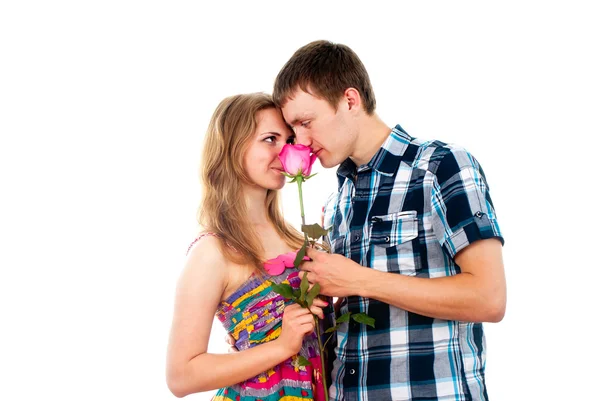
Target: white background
[103,106]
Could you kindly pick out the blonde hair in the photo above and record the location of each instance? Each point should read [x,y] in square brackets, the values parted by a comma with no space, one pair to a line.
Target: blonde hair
[223,210]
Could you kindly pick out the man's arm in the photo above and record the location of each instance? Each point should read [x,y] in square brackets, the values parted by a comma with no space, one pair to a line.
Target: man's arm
[477,294]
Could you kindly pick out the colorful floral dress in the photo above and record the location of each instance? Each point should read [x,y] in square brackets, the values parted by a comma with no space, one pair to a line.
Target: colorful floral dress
[252,315]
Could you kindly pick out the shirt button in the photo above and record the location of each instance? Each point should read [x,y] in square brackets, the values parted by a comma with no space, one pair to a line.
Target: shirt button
[356,238]
[387,239]
[479,214]
[352,371]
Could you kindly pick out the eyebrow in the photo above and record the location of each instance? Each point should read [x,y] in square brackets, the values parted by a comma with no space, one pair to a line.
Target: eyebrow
[278,134]
[299,118]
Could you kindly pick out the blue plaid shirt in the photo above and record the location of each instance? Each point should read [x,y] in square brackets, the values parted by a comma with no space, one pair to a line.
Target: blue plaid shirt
[409,211]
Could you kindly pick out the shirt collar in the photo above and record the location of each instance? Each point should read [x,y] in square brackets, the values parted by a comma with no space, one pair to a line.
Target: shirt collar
[385,161]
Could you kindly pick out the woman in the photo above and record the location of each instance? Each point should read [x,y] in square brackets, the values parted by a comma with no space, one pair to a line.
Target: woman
[246,247]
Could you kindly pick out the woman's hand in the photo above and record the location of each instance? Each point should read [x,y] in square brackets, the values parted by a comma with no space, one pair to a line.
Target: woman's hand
[296,323]
[316,309]
[230,343]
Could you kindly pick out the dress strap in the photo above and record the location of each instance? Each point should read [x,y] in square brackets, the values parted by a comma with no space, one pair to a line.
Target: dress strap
[198,238]
[206,234]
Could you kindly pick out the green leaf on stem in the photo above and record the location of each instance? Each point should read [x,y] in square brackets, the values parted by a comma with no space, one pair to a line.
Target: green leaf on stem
[314,291]
[314,231]
[332,329]
[310,176]
[300,255]
[303,286]
[302,361]
[364,319]
[283,289]
[344,318]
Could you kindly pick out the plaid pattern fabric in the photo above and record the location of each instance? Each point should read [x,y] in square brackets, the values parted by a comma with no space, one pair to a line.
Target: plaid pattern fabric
[409,211]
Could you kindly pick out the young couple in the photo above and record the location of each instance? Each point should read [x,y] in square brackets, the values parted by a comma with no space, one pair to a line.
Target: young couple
[415,245]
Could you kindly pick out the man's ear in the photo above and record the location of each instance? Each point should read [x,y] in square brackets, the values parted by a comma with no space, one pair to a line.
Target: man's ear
[352,99]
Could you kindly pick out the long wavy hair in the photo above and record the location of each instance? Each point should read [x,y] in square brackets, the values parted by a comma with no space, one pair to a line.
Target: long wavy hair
[223,210]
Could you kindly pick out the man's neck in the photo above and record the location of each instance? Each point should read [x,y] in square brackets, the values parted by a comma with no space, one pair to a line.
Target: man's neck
[371,135]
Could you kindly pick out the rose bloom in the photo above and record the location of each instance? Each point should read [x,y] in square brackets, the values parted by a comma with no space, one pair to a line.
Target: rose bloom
[297,159]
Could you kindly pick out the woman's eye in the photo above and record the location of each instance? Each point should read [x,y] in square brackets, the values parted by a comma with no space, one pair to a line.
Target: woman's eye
[291,140]
[270,139]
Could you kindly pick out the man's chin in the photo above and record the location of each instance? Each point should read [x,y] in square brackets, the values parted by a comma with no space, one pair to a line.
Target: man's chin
[323,160]
[327,162]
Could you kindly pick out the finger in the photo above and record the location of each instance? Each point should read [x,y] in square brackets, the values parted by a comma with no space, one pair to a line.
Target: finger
[321,303]
[312,253]
[232,350]
[306,265]
[229,339]
[307,327]
[292,311]
[315,310]
[297,312]
[291,308]
[312,280]
[306,318]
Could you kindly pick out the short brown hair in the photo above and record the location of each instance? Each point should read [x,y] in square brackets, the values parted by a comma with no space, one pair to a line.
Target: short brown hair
[328,69]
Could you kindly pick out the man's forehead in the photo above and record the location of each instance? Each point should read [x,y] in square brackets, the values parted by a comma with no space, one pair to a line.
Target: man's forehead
[297,106]
[294,112]
[299,101]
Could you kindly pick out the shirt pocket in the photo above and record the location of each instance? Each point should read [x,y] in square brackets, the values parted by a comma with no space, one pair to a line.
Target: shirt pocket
[394,244]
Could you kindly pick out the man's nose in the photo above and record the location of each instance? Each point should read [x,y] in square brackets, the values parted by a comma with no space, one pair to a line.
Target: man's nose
[302,138]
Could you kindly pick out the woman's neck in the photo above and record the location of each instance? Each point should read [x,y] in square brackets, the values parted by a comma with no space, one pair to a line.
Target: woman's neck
[255,199]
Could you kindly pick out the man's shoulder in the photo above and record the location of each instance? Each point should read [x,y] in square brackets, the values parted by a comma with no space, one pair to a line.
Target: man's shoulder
[441,158]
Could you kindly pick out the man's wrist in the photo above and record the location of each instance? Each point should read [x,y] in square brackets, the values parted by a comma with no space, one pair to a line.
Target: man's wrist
[362,281]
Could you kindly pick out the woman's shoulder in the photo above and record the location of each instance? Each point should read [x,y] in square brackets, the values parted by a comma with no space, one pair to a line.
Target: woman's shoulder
[203,239]
[206,257]
[204,252]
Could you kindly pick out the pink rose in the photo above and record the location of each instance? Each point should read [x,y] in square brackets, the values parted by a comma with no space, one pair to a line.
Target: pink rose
[297,159]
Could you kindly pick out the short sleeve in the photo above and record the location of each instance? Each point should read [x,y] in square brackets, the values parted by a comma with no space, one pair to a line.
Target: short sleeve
[461,204]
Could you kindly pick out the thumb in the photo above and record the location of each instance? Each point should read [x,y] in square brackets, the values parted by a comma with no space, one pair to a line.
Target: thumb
[311,253]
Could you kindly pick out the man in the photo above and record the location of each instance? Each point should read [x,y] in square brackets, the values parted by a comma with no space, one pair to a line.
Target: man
[415,240]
